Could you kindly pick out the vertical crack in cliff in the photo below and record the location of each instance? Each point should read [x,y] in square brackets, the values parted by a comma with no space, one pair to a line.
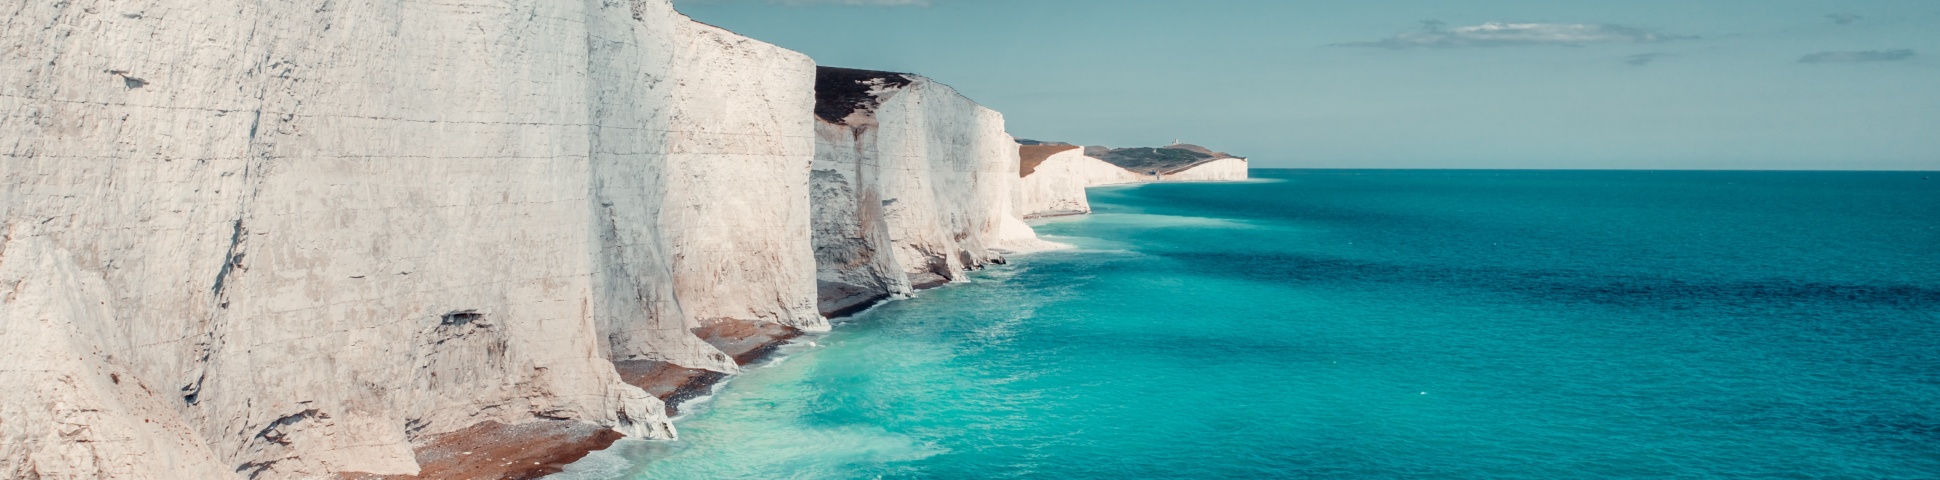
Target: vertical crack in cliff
[230,260]
[212,329]
[255,122]
[253,174]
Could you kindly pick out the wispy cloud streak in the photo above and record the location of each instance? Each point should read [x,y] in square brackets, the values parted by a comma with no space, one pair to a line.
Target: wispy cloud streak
[1857,57]
[1501,34]
[1642,58]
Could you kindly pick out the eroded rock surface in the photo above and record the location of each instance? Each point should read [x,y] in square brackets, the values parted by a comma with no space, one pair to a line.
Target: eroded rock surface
[361,239]
[291,240]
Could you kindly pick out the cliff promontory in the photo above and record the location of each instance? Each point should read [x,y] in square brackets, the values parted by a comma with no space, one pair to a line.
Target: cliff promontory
[1055,177]
[912,186]
[1055,174]
[1174,162]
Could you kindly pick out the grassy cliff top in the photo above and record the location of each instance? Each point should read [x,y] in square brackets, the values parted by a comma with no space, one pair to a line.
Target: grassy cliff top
[1143,160]
[1165,159]
[1026,141]
[842,91]
[1033,155]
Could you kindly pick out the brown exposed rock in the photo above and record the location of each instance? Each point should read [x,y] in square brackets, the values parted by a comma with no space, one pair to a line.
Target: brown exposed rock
[674,384]
[1030,156]
[745,340]
[493,450]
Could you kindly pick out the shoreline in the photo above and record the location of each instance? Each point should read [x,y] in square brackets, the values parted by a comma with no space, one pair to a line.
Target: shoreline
[1060,214]
[686,385]
[495,450]
[700,383]
[534,450]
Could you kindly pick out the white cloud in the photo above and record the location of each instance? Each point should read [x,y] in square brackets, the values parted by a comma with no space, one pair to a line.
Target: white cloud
[1502,34]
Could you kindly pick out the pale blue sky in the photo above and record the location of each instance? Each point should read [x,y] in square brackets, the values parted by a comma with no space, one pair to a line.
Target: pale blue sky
[1723,84]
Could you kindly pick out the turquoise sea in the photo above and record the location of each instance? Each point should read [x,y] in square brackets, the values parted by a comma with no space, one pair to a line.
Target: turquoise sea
[1385,324]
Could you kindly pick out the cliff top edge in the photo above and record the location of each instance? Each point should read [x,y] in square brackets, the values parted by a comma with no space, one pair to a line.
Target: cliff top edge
[840,92]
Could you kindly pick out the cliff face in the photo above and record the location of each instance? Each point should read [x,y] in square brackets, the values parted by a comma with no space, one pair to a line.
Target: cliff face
[739,156]
[278,240]
[911,186]
[1055,184]
[1221,170]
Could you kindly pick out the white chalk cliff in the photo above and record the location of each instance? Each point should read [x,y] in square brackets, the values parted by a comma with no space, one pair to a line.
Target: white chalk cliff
[287,240]
[1055,178]
[270,240]
[1055,175]
[912,186]
[1221,170]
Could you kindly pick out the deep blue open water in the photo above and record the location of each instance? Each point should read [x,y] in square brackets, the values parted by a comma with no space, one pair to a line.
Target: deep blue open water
[1386,324]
